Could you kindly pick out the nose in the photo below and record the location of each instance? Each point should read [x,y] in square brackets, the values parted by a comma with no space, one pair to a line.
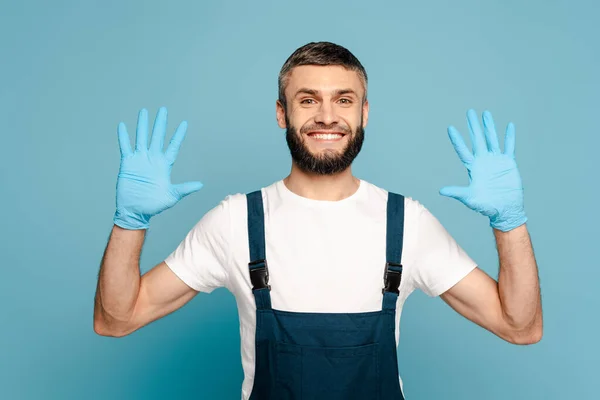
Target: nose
[326,114]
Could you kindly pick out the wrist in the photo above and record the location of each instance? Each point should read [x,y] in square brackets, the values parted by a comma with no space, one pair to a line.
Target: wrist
[509,221]
[132,221]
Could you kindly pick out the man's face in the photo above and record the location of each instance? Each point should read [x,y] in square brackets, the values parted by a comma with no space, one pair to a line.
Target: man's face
[325,118]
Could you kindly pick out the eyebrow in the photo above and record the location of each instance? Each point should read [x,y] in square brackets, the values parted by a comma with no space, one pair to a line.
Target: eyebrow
[337,92]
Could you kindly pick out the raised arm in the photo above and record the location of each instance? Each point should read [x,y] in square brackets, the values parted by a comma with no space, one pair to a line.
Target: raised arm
[126,301]
[511,308]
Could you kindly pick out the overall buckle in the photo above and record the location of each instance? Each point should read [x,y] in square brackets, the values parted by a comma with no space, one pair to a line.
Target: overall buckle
[392,277]
[259,274]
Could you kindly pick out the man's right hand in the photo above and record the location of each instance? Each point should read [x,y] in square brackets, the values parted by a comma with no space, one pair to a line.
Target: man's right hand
[144,187]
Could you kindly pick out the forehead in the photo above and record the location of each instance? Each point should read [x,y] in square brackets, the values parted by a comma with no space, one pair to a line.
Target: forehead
[323,78]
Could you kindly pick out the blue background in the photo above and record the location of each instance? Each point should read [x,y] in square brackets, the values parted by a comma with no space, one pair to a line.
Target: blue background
[72,70]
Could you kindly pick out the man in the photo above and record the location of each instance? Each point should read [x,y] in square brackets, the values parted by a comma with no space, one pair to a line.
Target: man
[320,262]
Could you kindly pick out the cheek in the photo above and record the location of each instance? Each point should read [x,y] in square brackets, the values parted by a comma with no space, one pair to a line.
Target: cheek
[352,118]
[298,120]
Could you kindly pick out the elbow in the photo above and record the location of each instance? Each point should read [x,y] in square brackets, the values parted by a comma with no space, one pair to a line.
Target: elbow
[528,333]
[100,329]
[107,325]
[526,337]
[528,340]
[103,329]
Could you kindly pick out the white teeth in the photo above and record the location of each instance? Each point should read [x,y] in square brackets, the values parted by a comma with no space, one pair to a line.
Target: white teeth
[327,136]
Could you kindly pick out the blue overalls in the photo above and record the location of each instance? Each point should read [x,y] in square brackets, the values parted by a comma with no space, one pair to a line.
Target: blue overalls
[332,356]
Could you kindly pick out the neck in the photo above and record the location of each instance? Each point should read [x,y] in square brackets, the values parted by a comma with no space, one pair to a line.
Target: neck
[322,187]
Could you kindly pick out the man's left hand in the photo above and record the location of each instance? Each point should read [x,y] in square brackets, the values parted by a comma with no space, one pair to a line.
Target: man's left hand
[495,189]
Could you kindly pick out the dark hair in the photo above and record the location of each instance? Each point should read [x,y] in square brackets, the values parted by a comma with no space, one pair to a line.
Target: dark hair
[320,53]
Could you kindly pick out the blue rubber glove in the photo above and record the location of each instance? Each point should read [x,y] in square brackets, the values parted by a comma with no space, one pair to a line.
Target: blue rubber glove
[495,189]
[144,186]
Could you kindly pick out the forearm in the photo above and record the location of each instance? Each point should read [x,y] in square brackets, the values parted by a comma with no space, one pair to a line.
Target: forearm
[118,280]
[518,282]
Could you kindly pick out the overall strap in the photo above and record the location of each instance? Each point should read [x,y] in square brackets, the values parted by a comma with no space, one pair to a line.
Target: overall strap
[259,272]
[394,238]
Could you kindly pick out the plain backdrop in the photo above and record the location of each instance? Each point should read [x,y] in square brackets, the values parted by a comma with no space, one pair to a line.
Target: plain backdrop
[70,71]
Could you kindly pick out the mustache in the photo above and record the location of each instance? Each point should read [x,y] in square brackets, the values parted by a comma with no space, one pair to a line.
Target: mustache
[324,127]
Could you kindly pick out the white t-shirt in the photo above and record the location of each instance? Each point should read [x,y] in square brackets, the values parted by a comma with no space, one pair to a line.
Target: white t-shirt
[309,243]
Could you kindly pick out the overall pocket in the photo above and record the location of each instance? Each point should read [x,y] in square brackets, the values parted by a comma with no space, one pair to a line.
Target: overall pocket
[332,373]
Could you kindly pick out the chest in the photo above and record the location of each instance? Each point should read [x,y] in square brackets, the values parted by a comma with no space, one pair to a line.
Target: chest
[323,262]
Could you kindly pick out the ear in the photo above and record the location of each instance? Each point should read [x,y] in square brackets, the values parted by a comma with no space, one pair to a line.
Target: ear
[280,114]
[365,113]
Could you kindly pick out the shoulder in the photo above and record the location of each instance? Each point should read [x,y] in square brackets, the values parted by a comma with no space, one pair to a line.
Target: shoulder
[234,201]
[217,221]
[419,223]
[413,208]
[234,206]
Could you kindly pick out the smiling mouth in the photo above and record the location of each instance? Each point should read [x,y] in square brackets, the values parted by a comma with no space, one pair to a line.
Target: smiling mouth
[326,136]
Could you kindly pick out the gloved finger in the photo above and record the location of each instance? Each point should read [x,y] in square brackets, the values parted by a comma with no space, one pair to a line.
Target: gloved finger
[175,143]
[490,133]
[124,143]
[477,138]
[509,140]
[460,193]
[141,134]
[159,130]
[459,146]
[184,189]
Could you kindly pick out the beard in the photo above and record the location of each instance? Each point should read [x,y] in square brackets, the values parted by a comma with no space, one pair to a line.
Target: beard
[329,162]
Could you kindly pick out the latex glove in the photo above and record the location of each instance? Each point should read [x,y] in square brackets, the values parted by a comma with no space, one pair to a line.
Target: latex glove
[495,189]
[144,186]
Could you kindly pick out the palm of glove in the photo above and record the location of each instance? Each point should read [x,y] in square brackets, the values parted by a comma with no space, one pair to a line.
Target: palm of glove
[144,186]
[495,188]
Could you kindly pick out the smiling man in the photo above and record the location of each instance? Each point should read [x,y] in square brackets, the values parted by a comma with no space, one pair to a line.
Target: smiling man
[320,262]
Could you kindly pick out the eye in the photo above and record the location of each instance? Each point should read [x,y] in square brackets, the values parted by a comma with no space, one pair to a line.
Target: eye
[305,101]
[345,101]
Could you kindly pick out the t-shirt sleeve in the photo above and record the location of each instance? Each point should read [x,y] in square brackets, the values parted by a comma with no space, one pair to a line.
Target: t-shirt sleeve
[201,259]
[439,262]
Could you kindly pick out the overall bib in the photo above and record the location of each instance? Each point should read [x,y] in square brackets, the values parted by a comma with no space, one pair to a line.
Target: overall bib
[332,356]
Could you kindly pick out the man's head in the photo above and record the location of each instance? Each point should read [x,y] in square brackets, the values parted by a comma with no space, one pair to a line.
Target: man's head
[323,107]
